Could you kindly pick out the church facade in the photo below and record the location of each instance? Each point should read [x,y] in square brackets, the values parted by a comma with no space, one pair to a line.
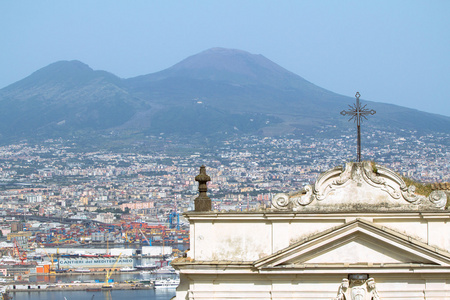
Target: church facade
[358,233]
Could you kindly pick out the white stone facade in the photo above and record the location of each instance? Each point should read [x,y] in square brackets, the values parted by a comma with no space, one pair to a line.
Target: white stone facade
[350,236]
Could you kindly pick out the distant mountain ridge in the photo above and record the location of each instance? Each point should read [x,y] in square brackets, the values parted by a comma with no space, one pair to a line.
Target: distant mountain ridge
[231,66]
[62,98]
[217,91]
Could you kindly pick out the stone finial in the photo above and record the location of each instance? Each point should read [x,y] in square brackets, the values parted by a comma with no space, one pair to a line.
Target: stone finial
[202,202]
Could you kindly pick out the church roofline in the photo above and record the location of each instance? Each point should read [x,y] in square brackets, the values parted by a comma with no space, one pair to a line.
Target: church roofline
[277,214]
[362,186]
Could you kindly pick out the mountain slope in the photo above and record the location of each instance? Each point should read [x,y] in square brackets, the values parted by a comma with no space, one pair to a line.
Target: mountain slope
[231,66]
[217,91]
[64,97]
[222,76]
[236,82]
[240,82]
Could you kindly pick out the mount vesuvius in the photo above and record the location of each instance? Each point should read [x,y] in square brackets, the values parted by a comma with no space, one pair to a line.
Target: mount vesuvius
[214,92]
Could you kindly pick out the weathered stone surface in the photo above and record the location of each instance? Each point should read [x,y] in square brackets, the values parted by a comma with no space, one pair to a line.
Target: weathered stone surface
[359,186]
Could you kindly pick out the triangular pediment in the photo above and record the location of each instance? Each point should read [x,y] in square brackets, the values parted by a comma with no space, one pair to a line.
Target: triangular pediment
[360,249]
[357,243]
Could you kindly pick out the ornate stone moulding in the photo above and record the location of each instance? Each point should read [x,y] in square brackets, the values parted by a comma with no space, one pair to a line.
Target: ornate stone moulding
[359,185]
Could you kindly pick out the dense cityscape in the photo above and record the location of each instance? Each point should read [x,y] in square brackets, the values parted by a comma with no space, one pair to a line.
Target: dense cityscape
[54,195]
[51,179]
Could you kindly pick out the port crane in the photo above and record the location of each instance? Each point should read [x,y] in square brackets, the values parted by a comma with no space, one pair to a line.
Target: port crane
[52,262]
[149,243]
[127,238]
[107,285]
[21,255]
[172,216]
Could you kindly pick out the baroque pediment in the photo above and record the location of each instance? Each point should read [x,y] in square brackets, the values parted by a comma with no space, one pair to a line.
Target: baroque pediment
[360,185]
[357,243]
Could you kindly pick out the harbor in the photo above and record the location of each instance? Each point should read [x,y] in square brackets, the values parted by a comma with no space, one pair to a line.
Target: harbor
[75,260]
[89,287]
[143,284]
[117,279]
[96,270]
[152,294]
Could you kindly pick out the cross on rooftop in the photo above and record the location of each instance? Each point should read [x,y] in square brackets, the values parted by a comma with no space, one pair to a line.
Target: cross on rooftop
[357,113]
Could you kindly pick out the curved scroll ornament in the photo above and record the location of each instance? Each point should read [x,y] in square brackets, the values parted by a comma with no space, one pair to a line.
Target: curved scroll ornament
[409,194]
[305,198]
[284,201]
[377,180]
[281,201]
[322,188]
[438,198]
[344,177]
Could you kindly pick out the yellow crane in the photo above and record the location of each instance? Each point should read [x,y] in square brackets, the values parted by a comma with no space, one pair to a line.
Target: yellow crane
[52,262]
[126,237]
[107,285]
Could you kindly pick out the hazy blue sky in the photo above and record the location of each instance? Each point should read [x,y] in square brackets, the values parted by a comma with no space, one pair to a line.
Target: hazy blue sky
[390,51]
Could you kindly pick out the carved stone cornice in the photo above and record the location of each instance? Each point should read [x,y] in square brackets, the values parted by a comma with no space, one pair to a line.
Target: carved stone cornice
[359,184]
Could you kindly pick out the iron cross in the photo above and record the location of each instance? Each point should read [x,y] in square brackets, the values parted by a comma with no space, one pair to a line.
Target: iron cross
[357,113]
